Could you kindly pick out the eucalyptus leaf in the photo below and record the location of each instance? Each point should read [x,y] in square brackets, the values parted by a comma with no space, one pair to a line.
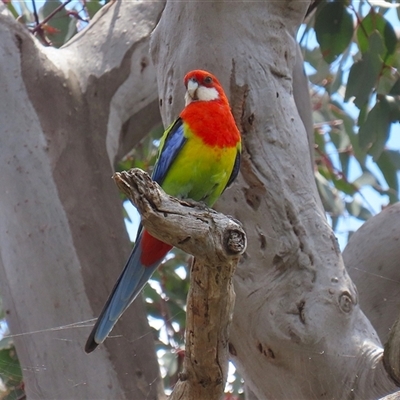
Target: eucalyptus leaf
[92,7]
[362,79]
[394,105]
[372,24]
[329,196]
[388,165]
[366,178]
[373,134]
[59,28]
[356,209]
[334,29]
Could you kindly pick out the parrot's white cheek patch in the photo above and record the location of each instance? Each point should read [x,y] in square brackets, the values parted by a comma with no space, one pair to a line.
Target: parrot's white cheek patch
[207,94]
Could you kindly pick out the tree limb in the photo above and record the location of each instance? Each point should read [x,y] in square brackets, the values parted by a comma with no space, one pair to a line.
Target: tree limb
[217,242]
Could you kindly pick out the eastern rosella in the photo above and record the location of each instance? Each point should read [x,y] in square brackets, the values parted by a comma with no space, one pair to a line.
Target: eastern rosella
[199,157]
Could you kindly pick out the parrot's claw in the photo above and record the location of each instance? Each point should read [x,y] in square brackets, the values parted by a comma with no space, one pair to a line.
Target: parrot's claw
[198,204]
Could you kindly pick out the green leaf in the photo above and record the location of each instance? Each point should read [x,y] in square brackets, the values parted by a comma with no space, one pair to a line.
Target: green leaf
[322,69]
[11,369]
[6,343]
[374,133]
[356,209]
[61,27]
[348,126]
[394,105]
[27,15]
[344,186]
[395,90]
[372,23]
[394,157]
[365,179]
[12,9]
[92,7]
[335,221]
[386,81]
[339,138]
[337,81]
[334,29]
[325,172]
[364,74]
[387,162]
[319,140]
[344,158]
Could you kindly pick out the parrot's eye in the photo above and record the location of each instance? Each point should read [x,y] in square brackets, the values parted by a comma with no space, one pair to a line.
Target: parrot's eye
[208,80]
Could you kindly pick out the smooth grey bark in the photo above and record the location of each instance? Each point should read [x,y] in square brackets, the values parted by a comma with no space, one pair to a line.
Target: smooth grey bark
[67,115]
[62,238]
[372,258]
[298,331]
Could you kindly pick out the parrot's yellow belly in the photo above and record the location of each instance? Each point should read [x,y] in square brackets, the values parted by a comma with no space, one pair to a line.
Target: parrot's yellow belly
[200,172]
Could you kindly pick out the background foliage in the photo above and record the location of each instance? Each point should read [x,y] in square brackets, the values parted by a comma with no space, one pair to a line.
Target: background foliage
[352,58]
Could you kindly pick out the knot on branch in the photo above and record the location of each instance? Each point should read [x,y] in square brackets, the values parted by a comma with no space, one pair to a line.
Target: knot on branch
[235,241]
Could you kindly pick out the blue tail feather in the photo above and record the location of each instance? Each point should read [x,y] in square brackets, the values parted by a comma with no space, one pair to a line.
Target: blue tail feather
[130,283]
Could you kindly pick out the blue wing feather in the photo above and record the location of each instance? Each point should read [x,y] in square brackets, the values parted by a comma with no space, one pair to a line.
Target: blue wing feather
[235,170]
[171,144]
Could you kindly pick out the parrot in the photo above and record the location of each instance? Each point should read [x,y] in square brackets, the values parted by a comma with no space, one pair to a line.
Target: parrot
[198,158]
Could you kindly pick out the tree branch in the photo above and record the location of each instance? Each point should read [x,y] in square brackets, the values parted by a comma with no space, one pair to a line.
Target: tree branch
[217,242]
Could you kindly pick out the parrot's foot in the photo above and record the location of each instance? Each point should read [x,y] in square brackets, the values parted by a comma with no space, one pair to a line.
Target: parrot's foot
[198,204]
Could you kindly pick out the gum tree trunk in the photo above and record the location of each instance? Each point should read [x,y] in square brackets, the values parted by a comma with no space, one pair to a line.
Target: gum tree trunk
[62,238]
[67,114]
[298,331]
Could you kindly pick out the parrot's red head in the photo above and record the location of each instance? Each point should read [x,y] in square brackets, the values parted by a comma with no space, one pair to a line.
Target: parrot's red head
[203,86]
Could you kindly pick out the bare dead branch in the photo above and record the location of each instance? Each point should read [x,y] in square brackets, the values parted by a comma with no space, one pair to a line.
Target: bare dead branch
[216,242]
